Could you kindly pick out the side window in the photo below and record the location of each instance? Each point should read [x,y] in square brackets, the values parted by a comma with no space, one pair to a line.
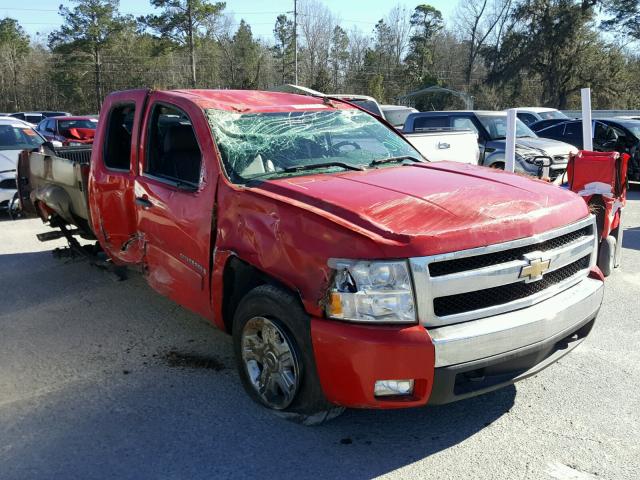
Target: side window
[527,118]
[428,123]
[556,131]
[172,148]
[50,126]
[463,123]
[117,146]
[604,134]
[573,130]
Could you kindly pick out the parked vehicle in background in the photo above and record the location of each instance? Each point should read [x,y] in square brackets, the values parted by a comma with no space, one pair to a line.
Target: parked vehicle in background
[35,118]
[601,179]
[539,125]
[344,265]
[69,130]
[491,128]
[396,114]
[530,115]
[609,135]
[15,136]
[370,104]
[447,144]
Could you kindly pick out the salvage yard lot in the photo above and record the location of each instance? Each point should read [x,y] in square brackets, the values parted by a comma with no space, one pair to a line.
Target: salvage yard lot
[107,379]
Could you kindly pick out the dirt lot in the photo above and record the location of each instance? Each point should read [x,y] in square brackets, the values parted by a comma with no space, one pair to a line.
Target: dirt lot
[106,379]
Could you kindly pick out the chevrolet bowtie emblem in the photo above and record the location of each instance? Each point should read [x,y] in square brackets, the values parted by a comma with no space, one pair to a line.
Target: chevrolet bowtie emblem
[535,269]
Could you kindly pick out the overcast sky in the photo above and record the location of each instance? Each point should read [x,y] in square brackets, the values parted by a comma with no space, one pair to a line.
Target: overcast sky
[41,16]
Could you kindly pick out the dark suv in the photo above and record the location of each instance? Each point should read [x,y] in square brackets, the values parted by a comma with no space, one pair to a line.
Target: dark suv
[491,128]
[609,134]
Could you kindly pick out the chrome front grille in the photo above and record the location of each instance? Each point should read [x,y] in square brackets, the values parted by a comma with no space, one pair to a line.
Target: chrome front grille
[470,284]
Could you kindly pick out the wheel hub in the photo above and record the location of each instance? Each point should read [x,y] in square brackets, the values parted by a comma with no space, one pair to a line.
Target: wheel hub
[270,362]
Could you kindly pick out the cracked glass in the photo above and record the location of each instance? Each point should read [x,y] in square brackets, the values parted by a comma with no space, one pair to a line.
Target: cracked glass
[264,145]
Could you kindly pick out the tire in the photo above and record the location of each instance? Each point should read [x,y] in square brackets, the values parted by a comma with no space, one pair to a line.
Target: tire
[606,255]
[497,165]
[274,356]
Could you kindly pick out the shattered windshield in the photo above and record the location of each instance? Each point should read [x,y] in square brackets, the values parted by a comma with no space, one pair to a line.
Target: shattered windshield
[273,145]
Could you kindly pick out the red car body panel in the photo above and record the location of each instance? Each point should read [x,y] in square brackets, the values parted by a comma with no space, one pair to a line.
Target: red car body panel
[350,358]
[288,228]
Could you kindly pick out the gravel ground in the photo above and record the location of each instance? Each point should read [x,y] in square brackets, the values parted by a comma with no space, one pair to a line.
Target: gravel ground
[106,379]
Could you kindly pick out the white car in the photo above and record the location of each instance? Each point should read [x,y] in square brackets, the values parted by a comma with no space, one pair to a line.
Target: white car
[530,115]
[15,136]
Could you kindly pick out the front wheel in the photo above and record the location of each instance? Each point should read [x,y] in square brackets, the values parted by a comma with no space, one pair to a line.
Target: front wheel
[274,354]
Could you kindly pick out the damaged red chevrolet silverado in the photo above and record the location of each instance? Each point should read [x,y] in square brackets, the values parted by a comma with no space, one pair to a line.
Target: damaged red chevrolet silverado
[349,271]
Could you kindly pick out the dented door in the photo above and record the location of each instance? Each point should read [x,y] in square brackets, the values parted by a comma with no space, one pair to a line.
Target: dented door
[174,198]
[111,183]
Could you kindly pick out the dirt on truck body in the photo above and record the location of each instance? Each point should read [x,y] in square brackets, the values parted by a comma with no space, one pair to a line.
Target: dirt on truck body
[349,270]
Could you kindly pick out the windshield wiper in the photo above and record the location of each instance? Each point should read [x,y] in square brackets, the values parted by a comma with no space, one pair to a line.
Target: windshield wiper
[301,168]
[314,166]
[401,158]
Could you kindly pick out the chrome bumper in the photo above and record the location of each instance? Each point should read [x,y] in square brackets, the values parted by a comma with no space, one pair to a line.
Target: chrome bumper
[554,317]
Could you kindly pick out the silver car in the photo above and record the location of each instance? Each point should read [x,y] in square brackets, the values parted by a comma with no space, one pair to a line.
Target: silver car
[15,136]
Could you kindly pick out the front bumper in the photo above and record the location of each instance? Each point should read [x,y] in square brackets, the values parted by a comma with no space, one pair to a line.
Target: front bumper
[452,362]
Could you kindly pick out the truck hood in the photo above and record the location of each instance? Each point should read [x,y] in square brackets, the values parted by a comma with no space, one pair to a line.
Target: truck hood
[547,145]
[433,208]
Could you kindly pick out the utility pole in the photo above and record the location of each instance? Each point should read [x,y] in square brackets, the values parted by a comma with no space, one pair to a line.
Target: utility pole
[295,38]
[192,52]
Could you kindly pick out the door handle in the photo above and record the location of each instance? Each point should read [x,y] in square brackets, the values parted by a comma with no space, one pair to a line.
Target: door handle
[144,202]
[443,146]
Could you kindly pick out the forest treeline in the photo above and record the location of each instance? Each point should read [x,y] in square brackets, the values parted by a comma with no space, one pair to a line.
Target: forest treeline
[503,52]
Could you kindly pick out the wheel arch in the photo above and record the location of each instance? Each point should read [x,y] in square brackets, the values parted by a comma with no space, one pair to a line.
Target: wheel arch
[239,277]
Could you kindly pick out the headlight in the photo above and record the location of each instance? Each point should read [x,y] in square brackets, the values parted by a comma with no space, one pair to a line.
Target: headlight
[371,291]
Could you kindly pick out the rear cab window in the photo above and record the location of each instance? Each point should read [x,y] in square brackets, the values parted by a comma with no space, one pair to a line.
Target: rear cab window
[422,124]
[117,145]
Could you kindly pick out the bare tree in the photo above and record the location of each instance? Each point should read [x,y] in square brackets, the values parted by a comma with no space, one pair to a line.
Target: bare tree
[399,22]
[316,25]
[477,20]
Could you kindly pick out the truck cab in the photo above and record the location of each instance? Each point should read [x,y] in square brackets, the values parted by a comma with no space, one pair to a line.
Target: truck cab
[349,271]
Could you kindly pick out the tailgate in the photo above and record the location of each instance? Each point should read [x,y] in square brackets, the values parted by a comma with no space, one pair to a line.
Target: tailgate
[56,180]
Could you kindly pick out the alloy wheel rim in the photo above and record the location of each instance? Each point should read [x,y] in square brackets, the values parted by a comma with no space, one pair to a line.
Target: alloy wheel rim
[270,362]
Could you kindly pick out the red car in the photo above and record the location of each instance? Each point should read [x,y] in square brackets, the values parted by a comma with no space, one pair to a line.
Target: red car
[69,130]
[349,271]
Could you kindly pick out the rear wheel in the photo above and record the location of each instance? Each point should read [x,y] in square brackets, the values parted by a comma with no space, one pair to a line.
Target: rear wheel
[274,354]
[497,165]
[606,255]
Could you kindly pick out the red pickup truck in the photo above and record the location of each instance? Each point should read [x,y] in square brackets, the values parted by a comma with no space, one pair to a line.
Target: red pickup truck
[350,271]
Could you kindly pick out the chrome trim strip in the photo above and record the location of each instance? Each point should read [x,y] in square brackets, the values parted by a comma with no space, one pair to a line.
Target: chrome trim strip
[510,306]
[508,272]
[427,288]
[521,242]
[483,338]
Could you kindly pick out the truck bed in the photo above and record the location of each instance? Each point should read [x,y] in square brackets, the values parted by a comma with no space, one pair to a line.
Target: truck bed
[56,179]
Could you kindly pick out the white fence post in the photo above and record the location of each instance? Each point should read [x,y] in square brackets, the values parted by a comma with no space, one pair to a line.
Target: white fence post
[510,149]
[587,127]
